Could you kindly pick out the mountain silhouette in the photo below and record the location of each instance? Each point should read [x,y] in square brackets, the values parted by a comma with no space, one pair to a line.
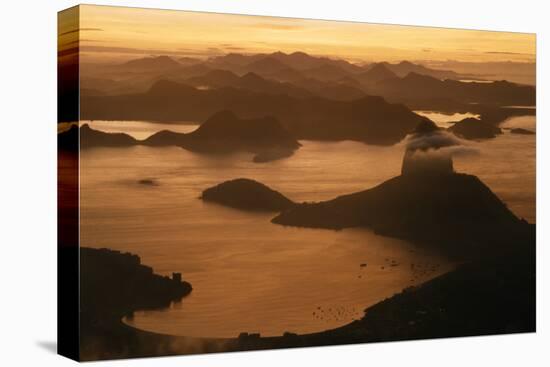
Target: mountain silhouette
[256,83]
[300,88]
[233,61]
[303,61]
[472,128]
[222,133]
[213,79]
[246,194]
[151,64]
[298,61]
[375,74]
[454,212]
[271,67]
[368,119]
[416,87]
[404,68]
[326,72]
[188,61]
[225,132]
[86,137]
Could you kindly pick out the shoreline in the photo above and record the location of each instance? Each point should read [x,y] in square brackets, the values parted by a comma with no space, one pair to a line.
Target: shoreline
[488,283]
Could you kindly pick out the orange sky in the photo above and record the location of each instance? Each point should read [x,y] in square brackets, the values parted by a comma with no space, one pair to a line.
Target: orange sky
[115,32]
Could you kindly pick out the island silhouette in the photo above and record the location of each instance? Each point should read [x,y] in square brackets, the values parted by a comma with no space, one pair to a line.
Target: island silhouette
[222,133]
[247,194]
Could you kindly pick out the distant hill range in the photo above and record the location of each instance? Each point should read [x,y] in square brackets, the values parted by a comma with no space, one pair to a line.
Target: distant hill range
[312,97]
[139,74]
[367,119]
[417,89]
[404,68]
[151,64]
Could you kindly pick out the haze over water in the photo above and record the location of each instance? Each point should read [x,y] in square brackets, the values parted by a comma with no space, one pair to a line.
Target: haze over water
[249,274]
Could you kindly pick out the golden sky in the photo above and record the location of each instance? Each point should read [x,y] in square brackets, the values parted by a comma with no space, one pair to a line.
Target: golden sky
[117,32]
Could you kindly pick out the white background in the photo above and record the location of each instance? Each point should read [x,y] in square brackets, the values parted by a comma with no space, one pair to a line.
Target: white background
[28,182]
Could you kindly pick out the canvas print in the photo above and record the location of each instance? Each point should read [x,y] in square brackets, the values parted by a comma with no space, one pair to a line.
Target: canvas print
[234,182]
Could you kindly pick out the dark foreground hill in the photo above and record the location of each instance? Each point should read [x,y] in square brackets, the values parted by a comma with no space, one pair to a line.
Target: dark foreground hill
[247,194]
[455,212]
[114,285]
[368,119]
[485,297]
[491,291]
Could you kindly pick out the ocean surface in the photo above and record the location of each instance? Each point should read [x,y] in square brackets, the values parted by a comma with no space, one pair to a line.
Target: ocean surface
[248,274]
[445,120]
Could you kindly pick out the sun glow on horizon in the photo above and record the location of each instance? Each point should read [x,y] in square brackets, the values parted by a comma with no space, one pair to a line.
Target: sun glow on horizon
[108,33]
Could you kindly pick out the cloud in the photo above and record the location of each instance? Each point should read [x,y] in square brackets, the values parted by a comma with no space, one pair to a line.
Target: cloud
[451,151]
[438,144]
[433,140]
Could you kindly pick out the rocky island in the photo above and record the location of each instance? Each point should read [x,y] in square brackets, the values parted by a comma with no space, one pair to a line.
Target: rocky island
[247,194]
[472,128]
